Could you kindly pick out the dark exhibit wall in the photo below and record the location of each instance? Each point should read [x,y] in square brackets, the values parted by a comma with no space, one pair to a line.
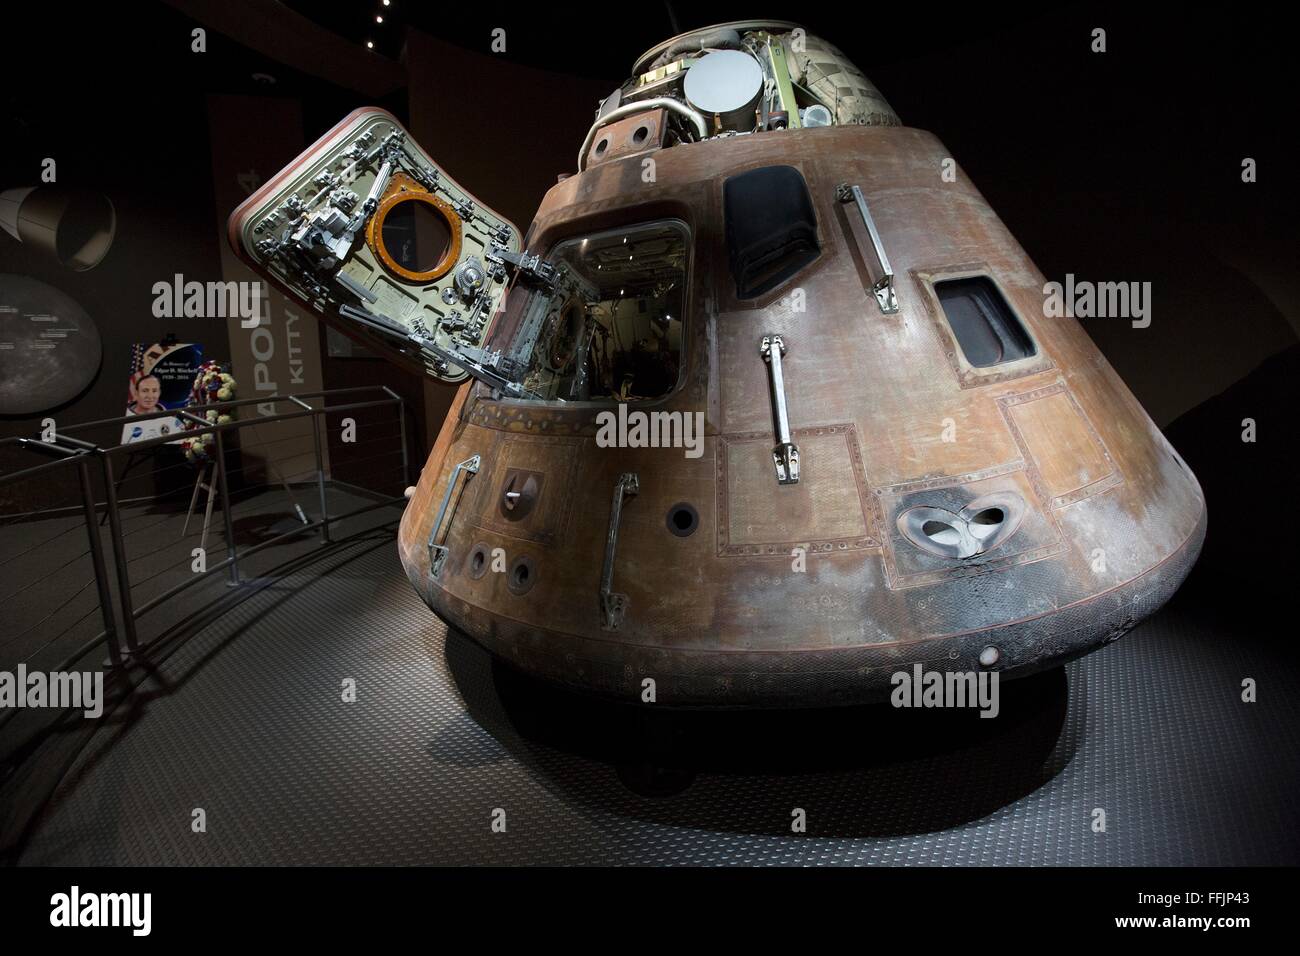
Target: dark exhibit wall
[504,130]
[160,188]
[1123,165]
[159,233]
[902,465]
[456,122]
[149,149]
[1119,166]
[1127,166]
[122,114]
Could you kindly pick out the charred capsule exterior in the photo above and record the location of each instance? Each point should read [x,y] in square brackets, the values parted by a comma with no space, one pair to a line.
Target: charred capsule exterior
[900,457]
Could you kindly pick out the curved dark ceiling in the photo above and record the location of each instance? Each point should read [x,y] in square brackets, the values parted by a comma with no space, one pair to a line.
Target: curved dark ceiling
[602,40]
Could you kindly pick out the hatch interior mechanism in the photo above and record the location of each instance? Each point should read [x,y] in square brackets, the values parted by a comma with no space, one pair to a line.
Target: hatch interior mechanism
[365,229]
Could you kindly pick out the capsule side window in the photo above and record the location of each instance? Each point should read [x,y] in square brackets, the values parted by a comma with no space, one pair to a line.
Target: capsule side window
[613,330]
[771,228]
[984,325]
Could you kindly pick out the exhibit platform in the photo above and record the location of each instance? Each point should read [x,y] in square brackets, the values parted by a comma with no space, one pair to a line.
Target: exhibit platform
[246,720]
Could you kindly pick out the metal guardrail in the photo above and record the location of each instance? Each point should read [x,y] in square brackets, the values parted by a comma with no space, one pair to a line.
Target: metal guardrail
[78,459]
[66,450]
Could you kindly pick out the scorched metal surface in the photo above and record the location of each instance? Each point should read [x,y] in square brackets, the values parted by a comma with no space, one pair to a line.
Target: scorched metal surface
[904,458]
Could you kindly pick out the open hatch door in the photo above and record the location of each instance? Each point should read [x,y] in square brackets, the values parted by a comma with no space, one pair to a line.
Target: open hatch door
[366,229]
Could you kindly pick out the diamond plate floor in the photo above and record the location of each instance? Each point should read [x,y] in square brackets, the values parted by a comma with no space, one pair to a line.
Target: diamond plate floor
[246,721]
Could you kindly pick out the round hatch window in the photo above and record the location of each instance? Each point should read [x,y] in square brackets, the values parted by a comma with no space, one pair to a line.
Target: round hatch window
[418,236]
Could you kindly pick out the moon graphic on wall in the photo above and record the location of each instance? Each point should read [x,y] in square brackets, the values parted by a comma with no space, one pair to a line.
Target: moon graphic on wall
[49,347]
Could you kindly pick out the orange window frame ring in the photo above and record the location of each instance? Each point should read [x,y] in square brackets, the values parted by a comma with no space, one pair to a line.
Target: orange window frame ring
[405,190]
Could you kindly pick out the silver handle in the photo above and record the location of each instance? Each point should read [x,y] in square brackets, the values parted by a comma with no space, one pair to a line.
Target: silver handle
[613,606]
[438,552]
[884,286]
[785,453]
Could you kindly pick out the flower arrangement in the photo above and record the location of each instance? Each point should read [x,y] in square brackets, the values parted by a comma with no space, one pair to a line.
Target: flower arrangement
[211,385]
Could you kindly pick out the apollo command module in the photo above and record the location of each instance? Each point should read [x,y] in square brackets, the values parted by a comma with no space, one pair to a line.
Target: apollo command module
[766,410]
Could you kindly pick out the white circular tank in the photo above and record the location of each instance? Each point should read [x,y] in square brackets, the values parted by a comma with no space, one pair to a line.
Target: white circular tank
[725,84]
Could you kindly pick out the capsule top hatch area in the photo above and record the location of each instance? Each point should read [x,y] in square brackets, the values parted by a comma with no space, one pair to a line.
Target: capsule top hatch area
[725,84]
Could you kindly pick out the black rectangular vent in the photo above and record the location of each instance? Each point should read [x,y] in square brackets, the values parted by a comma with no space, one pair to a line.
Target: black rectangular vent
[771,228]
[986,329]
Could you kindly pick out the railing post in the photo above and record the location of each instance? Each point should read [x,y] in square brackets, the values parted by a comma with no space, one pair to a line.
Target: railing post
[119,555]
[224,491]
[320,469]
[96,557]
[97,561]
[320,481]
[401,426]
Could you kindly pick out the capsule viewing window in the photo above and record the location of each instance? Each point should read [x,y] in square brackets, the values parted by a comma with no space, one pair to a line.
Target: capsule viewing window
[771,228]
[613,328]
[416,235]
[982,322]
